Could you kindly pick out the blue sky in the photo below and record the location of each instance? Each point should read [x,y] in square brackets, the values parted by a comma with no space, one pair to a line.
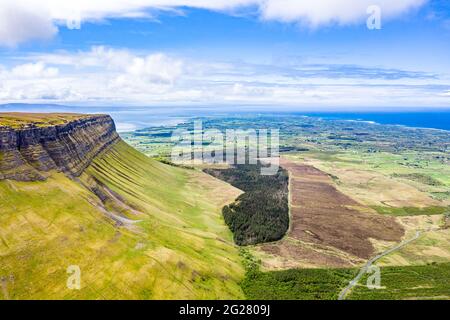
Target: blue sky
[290,53]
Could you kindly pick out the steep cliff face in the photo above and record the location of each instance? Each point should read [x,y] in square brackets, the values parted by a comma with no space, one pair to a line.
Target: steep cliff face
[28,152]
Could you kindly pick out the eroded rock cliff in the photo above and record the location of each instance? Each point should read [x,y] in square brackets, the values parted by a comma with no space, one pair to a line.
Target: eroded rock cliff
[28,153]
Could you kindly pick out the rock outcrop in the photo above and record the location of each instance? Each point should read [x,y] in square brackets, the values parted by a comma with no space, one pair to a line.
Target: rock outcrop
[27,154]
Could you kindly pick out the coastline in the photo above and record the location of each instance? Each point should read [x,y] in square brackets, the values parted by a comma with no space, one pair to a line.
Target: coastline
[131,119]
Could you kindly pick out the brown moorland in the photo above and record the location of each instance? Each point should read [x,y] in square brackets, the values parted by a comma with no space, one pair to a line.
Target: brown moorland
[328,228]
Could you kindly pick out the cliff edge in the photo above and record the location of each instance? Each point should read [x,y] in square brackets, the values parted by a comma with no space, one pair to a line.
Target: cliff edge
[33,144]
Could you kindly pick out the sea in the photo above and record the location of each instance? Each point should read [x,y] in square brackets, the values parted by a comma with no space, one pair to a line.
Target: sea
[134,118]
[418,119]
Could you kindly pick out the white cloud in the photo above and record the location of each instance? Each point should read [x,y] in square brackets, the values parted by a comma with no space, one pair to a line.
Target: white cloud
[105,76]
[20,23]
[157,67]
[101,74]
[323,12]
[98,56]
[34,70]
[23,20]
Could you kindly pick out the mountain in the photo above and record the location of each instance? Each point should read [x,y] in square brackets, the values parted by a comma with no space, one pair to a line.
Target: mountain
[72,193]
[31,145]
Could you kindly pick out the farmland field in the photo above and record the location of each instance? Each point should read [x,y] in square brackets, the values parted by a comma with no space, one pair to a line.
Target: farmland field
[429,281]
[397,283]
[296,284]
[355,191]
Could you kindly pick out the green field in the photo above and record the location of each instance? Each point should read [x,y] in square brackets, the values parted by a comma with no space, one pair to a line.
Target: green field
[429,281]
[413,282]
[391,170]
[411,211]
[296,284]
[386,166]
[397,283]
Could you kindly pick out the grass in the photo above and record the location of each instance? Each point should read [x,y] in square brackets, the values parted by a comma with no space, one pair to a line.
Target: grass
[18,120]
[419,177]
[412,282]
[396,171]
[385,179]
[410,211]
[441,196]
[428,281]
[292,284]
[296,284]
[431,246]
[179,249]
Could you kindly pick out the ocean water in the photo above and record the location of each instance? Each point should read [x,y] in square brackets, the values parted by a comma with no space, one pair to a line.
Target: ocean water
[431,119]
[133,118]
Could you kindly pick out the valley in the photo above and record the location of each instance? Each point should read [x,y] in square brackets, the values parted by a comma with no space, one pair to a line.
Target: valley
[75,193]
[356,189]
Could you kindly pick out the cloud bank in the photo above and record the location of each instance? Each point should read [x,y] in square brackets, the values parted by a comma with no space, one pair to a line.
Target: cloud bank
[109,76]
[25,20]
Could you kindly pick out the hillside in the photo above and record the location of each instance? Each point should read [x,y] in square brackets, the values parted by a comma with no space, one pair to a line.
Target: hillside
[137,228]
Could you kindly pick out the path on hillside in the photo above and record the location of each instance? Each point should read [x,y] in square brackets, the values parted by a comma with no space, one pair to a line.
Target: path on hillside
[369,263]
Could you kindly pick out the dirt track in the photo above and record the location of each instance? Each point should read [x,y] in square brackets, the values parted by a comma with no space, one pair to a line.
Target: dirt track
[329,228]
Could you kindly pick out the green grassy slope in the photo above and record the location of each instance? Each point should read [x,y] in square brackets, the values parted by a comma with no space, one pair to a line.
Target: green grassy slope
[172,242]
